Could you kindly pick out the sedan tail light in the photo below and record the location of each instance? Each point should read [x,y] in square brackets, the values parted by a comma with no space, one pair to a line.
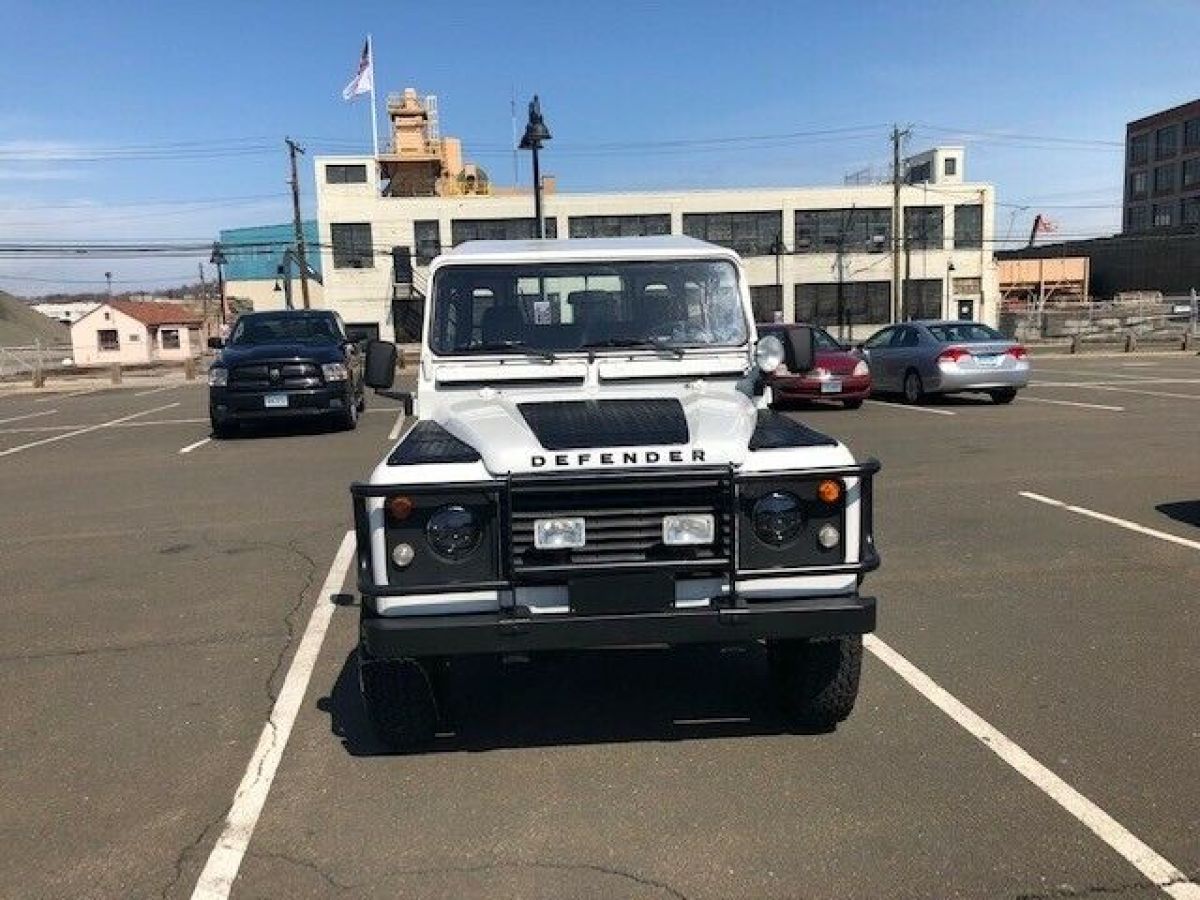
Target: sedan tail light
[1018,352]
[861,370]
[953,354]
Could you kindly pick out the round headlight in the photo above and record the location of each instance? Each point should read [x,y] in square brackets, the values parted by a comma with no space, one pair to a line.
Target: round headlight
[768,353]
[778,517]
[453,532]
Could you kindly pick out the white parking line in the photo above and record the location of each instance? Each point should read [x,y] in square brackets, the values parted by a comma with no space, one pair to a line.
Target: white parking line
[1125,390]
[42,429]
[85,430]
[1157,870]
[1072,403]
[216,881]
[1112,520]
[157,390]
[395,432]
[196,446]
[48,412]
[926,409]
[65,396]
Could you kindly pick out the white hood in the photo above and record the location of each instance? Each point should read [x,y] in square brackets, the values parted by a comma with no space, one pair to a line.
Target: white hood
[719,426]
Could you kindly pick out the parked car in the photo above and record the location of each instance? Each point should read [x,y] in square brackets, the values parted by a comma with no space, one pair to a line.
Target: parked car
[920,358]
[285,364]
[841,373]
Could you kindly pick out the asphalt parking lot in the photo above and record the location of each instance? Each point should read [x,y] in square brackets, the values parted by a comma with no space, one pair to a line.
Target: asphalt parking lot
[1041,566]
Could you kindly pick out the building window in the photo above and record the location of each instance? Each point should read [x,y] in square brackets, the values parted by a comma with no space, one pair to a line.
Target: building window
[854,230]
[1139,149]
[1164,179]
[1164,215]
[619,226]
[497,230]
[1137,218]
[767,300]
[342,174]
[923,298]
[1139,183]
[968,287]
[427,235]
[1191,172]
[923,227]
[134,337]
[920,174]
[109,339]
[749,233]
[352,245]
[1191,134]
[968,226]
[1166,141]
[169,338]
[950,166]
[850,303]
[1191,211]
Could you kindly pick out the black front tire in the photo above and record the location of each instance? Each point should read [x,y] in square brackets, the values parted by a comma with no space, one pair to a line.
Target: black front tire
[399,699]
[852,404]
[817,680]
[914,387]
[222,430]
[1003,395]
[349,419]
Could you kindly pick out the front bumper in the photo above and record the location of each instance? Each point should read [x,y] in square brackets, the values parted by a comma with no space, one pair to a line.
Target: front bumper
[225,405]
[519,630]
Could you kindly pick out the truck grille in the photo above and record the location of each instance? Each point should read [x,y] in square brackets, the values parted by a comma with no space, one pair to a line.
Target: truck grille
[623,516]
[284,376]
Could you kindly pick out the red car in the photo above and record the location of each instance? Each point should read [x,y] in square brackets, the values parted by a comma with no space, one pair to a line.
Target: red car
[841,373]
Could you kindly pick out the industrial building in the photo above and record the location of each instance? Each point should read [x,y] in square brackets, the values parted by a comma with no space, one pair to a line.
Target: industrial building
[261,271]
[819,254]
[1162,170]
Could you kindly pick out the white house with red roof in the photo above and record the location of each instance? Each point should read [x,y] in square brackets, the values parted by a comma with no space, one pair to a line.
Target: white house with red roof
[132,331]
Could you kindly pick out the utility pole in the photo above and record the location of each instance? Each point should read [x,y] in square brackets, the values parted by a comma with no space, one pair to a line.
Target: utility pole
[293,149]
[897,221]
[108,281]
[203,298]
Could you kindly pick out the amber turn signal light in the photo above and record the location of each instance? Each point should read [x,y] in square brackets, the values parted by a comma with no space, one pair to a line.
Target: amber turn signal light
[399,508]
[830,491]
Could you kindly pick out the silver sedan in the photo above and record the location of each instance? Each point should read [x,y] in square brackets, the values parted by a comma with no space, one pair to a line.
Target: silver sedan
[944,357]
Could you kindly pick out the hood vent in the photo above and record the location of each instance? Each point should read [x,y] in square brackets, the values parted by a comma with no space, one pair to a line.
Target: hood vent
[580,424]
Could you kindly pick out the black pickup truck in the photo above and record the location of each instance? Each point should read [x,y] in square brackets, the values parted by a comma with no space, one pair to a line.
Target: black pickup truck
[285,364]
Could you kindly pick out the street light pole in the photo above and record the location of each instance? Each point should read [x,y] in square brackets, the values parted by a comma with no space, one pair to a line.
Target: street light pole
[536,133]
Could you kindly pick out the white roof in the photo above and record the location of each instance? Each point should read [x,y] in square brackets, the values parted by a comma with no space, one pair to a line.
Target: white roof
[585,249]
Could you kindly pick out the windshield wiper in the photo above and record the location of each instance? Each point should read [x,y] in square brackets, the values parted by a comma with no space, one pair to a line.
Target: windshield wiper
[636,344]
[515,346]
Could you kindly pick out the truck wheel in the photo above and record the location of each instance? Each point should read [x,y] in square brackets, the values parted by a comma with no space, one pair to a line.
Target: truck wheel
[222,430]
[1003,395]
[817,680]
[399,700]
[349,419]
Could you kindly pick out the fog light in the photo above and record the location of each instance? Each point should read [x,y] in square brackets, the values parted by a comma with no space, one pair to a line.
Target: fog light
[680,531]
[402,555]
[828,536]
[559,534]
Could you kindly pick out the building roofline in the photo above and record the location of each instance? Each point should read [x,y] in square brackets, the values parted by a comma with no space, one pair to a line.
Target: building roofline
[1163,115]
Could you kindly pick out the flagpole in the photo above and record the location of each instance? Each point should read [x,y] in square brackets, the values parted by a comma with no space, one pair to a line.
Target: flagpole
[374,122]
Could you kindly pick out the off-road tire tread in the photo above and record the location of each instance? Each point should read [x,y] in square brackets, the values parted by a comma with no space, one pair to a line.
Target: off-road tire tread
[399,700]
[818,680]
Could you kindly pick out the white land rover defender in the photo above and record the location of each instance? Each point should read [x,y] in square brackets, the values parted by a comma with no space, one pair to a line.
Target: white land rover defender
[594,463]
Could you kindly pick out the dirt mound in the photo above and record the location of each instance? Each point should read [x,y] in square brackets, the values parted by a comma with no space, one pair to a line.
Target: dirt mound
[23,326]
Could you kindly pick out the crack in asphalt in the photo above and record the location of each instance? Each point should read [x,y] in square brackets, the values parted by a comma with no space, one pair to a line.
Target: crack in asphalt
[290,633]
[139,646]
[1109,890]
[332,881]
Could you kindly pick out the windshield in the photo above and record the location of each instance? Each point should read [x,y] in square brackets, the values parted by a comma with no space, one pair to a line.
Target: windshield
[826,341]
[285,329]
[965,333]
[587,306]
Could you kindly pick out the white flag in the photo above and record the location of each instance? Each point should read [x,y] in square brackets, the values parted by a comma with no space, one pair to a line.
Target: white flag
[363,81]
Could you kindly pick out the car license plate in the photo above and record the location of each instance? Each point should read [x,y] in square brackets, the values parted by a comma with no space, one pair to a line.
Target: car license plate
[991,360]
[833,386]
[617,594]
[275,401]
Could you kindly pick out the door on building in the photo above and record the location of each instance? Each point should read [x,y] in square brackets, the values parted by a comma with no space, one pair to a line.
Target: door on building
[408,315]
[966,308]
[767,301]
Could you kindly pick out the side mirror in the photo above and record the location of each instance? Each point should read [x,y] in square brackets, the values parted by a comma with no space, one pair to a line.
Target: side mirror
[216,343]
[380,369]
[801,347]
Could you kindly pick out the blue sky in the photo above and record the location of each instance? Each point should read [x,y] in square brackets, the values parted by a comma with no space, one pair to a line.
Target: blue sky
[128,121]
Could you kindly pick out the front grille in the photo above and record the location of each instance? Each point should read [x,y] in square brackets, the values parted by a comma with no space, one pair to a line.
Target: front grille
[623,517]
[283,376]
